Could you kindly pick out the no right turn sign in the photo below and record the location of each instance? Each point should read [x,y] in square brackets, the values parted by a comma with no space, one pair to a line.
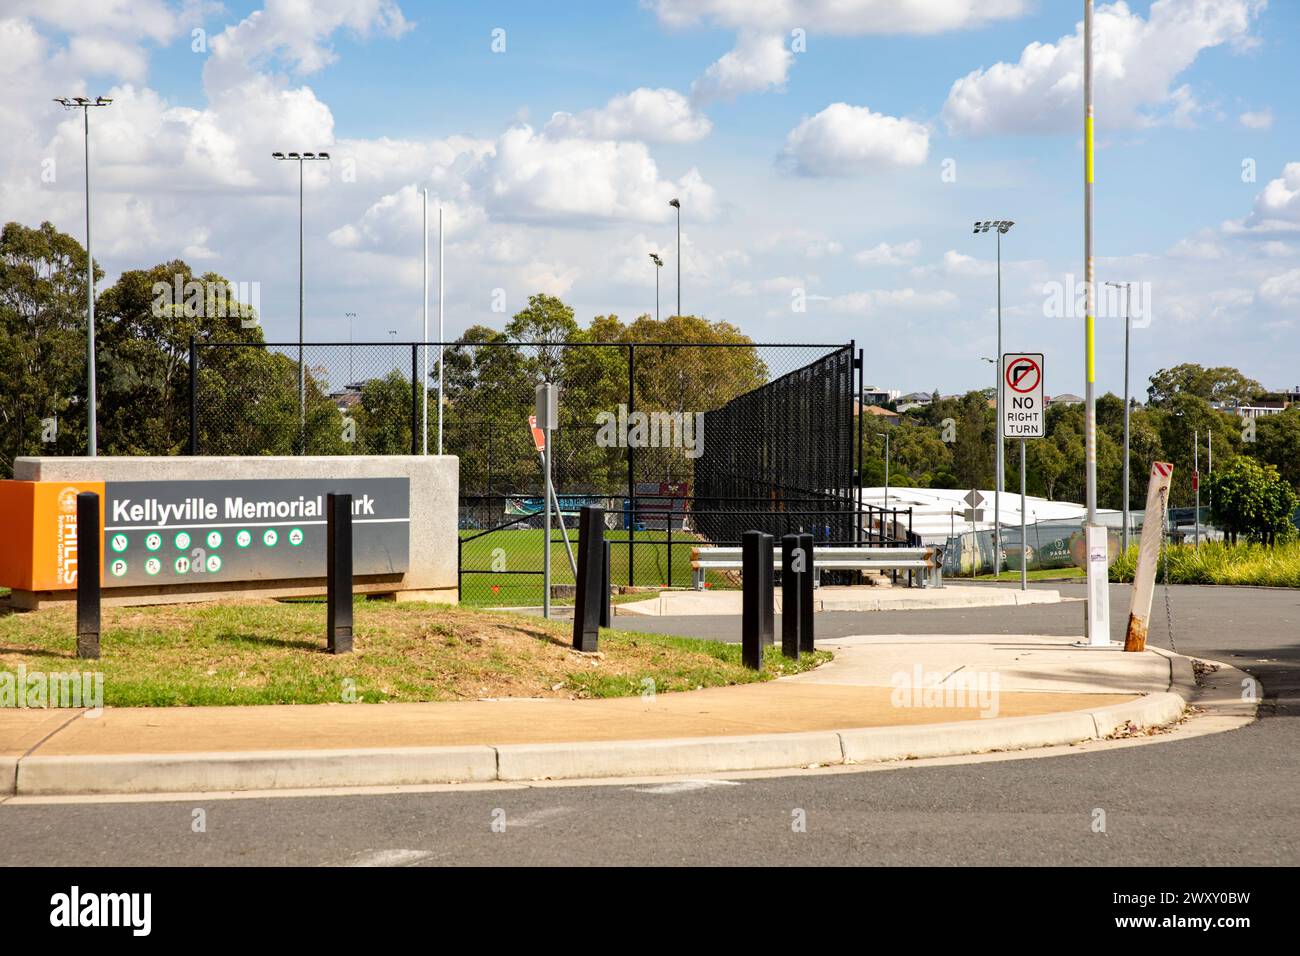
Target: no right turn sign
[1022,395]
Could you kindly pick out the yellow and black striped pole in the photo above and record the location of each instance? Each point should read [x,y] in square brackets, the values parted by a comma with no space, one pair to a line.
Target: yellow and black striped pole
[1097,614]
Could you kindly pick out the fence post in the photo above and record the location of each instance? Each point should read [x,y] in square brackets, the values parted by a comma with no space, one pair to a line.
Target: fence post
[670,547]
[591,553]
[806,599]
[415,399]
[89,540]
[769,592]
[194,397]
[791,594]
[631,468]
[605,582]
[338,573]
[751,599]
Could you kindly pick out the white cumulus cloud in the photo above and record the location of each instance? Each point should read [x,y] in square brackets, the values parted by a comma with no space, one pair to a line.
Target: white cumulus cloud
[1135,65]
[651,115]
[843,140]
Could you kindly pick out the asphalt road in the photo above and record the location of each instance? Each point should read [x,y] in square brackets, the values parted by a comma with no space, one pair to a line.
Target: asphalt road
[1230,798]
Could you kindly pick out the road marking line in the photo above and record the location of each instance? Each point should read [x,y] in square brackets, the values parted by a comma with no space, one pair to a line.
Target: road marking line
[389,858]
[685,786]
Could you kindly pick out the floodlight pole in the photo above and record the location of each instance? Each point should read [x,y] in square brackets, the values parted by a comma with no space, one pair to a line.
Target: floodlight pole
[351,374]
[424,351]
[92,409]
[441,334]
[302,369]
[676,204]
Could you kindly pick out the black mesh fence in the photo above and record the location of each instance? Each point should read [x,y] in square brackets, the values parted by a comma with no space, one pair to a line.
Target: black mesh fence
[780,456]
[683,444]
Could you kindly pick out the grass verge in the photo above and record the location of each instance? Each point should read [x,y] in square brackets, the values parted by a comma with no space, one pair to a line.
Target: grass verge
[491,563]
[1036,574]
[267,652]
[1217,562]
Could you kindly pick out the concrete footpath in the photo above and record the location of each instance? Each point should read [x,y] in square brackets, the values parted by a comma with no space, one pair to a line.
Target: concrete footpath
[883,698]
[843,598]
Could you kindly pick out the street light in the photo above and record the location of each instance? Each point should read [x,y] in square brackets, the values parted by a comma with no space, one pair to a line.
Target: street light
[84,104]
[302,372]
[659,264]
[676,204]
[1128,294]
[999,226]
[350,316]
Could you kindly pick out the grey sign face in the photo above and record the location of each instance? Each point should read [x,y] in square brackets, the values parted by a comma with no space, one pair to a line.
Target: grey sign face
[173,532]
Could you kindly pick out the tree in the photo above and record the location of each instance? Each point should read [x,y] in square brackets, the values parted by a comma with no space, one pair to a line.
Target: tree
[42,344]
[1277,442]
[1253,500]
[1219,385]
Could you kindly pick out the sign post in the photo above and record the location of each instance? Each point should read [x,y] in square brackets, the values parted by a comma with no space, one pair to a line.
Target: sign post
[1024,417]
[546,410]
[1144,572]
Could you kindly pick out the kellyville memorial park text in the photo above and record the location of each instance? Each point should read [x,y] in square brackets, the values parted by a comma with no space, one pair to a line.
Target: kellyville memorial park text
[234,508]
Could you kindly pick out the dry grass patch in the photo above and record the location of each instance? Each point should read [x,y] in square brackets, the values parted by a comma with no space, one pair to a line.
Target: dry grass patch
[268,652]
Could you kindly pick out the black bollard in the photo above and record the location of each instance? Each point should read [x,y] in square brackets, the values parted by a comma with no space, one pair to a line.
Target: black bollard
[806,601]
[768,570]
[751,599]
[792,564]
[591,573]
[604,589]
[338,573]
[89,542]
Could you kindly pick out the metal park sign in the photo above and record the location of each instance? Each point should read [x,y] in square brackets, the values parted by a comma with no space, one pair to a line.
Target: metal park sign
[166,532]
[1021,385]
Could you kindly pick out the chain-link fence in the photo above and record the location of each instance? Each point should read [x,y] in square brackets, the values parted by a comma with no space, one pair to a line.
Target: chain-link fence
[687,441]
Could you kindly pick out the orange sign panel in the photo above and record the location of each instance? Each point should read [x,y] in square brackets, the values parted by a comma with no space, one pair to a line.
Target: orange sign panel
[40,519]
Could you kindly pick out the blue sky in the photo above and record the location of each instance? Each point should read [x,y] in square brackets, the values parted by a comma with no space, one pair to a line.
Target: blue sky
[830,158]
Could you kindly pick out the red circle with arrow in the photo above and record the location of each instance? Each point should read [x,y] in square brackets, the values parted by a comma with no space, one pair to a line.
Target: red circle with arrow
[1023,374]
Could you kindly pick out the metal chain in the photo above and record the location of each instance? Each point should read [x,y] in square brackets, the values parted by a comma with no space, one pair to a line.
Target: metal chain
[1164,556]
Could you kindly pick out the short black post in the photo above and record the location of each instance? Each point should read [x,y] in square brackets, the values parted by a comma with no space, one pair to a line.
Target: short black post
[604,589]
[806,602]
[338,573]
[591,573]
[792,565]
[751,599]
[768,571]
[89,542]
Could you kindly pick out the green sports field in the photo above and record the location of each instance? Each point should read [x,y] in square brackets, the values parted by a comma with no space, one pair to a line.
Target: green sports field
[505,552]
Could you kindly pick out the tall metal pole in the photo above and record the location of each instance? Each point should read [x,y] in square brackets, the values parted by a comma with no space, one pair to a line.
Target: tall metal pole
[679,259]
[351,374]
[1196,474]
[1128,294]
[424,349]
[1024,544]
[441,333]
[302,371]
[92,438]
[656,293]
[1090,422]
[997,392]
[1097,613]
[676,204]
